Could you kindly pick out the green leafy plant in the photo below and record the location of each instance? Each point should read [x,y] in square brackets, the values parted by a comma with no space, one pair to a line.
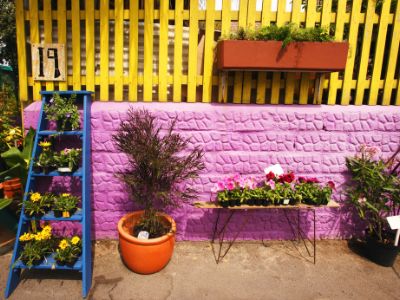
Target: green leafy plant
[374,190]
[38,204]
[68,158]
[65,203]
[63,111]
[68,251]
[157,166]
[46,159]
[313,193]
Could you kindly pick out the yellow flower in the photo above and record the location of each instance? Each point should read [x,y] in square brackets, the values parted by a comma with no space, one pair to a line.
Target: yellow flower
[63,244]
[35,197]
[45,144]
[45,235]
[75,240]
[65,194]
[47,228]
[26,237]
[12,132]
[8,138]
[38,236]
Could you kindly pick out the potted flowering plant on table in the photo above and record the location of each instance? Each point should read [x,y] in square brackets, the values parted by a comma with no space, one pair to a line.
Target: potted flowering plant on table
[63,111]
[65,205]
[156,173]
[67,160]
[68,251]
[375,194]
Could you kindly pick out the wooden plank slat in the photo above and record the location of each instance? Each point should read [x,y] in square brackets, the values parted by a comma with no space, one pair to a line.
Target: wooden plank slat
[62,35]
[148,51]
[104,50]
[35,39]
[163,51]
[366,46]
[76,45]
[379,52]
[348,73]
[339,29]
[262,76]
[133,49]
[178,36]
[90,44]
[48,31]
[225,30]
[208,52]
[21,50]
[393,54]
[119,49]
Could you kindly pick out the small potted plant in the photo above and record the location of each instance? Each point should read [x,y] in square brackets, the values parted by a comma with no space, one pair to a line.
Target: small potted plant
[159,164]
[311,192]
[68,251]
[45,161]
[65,205]
[63,111]
[67,160]
[375,194]
[37,205]
[36,246]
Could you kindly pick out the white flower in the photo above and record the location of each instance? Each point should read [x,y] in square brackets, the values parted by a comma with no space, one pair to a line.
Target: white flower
[276,169]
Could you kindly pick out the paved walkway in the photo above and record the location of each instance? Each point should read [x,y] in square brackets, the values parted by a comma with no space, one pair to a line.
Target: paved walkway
[277,270]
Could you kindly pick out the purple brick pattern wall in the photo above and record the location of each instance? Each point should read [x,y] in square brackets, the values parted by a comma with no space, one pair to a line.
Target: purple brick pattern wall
[309,140]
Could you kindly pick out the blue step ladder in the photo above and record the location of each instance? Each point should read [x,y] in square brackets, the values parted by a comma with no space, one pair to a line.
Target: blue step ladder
[84,263]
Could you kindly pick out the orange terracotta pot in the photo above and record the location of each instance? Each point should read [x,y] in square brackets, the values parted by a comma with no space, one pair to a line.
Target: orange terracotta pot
[145,256]
[12,188]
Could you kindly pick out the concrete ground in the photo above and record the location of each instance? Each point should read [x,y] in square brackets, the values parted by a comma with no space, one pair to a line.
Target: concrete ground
[276,270]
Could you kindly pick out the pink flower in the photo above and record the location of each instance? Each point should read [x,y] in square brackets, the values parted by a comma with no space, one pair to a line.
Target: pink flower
[331,184]
[230,186]
[66,150]
[270,176]
[362,200]
[271,184]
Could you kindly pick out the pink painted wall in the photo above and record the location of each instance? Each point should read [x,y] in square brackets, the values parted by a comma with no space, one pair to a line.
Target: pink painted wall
[309,140]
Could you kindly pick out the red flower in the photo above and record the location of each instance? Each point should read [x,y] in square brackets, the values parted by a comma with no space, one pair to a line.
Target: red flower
[331,184]
[288,177]
[270,176]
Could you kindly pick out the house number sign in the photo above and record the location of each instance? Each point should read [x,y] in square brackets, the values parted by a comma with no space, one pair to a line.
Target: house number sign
[48,62]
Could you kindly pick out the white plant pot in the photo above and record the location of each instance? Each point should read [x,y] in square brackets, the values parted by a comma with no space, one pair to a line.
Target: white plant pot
[64,170]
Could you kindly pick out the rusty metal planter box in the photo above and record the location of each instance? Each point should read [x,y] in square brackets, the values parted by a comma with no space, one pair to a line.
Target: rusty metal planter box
[270,55]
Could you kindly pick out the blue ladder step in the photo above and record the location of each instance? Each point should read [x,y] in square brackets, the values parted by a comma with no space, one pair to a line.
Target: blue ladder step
[54,132]
[77,217]
[77,173]
[50,263]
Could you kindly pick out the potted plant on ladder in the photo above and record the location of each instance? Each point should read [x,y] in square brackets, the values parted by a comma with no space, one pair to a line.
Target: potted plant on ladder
[159,163]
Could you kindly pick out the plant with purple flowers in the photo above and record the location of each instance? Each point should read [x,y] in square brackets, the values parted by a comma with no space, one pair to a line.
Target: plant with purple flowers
[63,111]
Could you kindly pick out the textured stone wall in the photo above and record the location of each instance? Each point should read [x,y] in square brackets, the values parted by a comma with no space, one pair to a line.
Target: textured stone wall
[309,140]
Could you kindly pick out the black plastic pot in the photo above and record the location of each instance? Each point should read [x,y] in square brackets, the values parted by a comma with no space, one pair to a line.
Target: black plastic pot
[250,202]
[258,202]
[224,203]
[68,126]
[265,202]
[380,253]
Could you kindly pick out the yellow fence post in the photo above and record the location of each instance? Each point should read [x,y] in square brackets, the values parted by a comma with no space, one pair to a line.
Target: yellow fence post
[20,31]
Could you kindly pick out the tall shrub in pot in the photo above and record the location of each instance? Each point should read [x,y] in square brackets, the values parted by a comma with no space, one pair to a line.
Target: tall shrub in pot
[159,163]
[375,193]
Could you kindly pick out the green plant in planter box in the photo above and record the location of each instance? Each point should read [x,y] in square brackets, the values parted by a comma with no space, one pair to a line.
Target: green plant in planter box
[68,159]
[374,190]
[68,251]
[314,194]
[65,205]
[63,111]
[38,204]
[159,163]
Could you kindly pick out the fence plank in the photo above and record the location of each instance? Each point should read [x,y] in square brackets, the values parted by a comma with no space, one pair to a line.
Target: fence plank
[34,35]
[119,49]
[104,50]
[62,35]
[262,76]
[339,29]
[366,46]
[90,45]
[379,52]
[177,90]
[393,56]
[76,45]
[208,52]
[225,30]
[148,51]
[21,50]
[163,51]
[133,49]
[348,73]
[48,31]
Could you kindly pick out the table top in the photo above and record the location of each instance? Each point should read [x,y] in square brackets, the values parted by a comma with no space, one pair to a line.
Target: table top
[214,205]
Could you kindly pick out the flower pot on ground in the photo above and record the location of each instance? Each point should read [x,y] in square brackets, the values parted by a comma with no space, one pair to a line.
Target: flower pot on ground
[12,188]
[374,191]
[156,176]
[145,256]
[63,111]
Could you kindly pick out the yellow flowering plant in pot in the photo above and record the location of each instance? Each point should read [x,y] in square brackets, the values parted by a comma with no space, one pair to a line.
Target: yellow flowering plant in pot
[36,246]
[45,161]
[65,205]
[68,251]
[37,204]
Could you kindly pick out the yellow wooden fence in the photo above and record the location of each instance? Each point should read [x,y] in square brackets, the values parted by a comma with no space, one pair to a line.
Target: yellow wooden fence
[148,51]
